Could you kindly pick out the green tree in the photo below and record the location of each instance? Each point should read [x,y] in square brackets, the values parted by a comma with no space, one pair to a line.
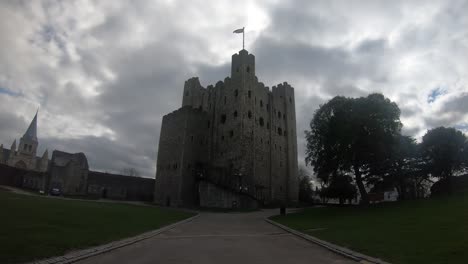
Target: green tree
[340,187]
[305,186]
[445,150]
[352,135]
[402,170]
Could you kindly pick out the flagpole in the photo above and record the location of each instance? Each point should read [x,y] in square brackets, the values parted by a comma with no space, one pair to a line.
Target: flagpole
[243,32]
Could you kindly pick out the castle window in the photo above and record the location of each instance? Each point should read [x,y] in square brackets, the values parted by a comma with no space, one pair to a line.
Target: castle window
[261,103]
[285,133]
[290,100]
[231,133]
[280,148]
[237,69]
[249,93]
[268,106]
[275,146]
[223,118]
[224,99]
[209,124]
[235,114]
[249,114]
[222,138]
[25,147]
[261,121]
[280,131]
[248,69]
[30,147]
[279,114]
[284,117]
[281,164]
[191,138]
[236,93]
[268,125]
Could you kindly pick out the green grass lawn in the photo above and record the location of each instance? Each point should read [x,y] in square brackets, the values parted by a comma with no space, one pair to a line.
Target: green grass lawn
[425,231]
[34,227]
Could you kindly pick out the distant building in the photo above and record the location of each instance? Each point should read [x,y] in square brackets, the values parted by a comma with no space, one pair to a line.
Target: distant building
[232,144]
[68,173]
[24,157]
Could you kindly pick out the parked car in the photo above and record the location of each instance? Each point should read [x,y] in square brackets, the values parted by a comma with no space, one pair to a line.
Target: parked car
[55,192]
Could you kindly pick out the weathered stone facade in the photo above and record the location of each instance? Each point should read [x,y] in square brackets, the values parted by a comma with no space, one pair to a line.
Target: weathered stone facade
[238,135]
[69,173]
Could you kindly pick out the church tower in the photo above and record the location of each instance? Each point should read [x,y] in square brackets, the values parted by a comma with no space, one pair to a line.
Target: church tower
[28,142]
[24,156]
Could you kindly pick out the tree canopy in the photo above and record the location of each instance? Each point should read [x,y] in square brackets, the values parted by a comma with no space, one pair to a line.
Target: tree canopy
[352,135]
[446,150]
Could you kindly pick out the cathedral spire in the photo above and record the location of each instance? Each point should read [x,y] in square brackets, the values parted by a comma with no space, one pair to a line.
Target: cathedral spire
[31,133]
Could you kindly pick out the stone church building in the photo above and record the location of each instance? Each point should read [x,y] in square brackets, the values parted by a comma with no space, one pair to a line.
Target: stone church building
[24,156]
[229,145]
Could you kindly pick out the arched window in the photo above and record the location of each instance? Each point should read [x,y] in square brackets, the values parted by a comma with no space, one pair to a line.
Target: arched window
[248,69]
[235,114]
[261,121]
[223,118]
[249,114]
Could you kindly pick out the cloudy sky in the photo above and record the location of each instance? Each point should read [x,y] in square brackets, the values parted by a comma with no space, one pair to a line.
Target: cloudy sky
[103,73]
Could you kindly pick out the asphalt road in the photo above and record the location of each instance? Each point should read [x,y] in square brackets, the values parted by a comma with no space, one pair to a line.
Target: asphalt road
[239,238]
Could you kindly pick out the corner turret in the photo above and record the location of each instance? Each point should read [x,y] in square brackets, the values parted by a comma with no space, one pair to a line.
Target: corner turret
[243,65]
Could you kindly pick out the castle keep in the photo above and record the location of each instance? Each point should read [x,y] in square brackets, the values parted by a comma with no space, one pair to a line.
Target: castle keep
[229,145]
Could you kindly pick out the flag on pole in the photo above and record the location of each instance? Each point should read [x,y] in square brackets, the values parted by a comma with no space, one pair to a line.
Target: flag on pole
[240,30]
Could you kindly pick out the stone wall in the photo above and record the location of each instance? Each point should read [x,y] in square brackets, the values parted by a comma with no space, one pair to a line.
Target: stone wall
[183,147]
[69,173]
[212,196]
[119,187]
[20,178]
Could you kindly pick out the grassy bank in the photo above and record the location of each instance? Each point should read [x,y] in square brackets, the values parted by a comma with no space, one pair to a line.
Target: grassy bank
[34,227]
[426,231]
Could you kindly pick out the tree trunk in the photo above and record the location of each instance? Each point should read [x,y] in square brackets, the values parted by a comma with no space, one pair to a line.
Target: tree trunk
[360,185]
[401,191]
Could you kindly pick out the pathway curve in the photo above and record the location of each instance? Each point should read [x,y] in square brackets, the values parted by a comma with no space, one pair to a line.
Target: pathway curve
[239,238]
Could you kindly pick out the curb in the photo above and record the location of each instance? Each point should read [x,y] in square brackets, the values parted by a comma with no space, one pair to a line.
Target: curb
[90,252]
[356,256]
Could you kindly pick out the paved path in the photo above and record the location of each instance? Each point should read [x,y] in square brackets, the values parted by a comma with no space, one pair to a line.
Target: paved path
[239,238]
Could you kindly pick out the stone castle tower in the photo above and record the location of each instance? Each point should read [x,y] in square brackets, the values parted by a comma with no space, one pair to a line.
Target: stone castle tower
[24,156]
[232,144]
